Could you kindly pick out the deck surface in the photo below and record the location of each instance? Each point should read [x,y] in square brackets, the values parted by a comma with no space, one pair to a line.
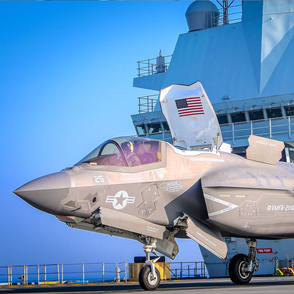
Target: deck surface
[195,286]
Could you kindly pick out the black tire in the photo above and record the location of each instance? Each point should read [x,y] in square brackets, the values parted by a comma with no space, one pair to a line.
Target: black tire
[237,270]
[145,280]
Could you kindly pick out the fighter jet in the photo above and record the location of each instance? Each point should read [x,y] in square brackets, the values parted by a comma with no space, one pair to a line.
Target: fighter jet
[150,191]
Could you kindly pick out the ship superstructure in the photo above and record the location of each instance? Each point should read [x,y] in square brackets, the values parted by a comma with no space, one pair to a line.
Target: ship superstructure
[245,62]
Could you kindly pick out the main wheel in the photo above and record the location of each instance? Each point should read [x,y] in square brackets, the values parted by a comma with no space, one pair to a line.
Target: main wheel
[147,281]
[237,269]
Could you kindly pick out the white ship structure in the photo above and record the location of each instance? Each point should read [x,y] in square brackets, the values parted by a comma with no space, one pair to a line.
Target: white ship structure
[243,54]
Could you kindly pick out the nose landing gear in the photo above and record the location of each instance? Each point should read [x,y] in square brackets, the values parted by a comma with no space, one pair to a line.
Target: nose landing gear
[242,267]
[147,280]
[149,277]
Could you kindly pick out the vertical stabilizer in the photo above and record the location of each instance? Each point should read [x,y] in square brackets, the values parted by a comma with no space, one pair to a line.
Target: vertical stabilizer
[190,116]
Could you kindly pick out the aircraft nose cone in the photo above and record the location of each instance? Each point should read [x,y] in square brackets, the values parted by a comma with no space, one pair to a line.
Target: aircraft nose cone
[46,193]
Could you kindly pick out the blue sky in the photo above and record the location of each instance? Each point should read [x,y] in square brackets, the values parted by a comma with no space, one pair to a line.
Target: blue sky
[66,73]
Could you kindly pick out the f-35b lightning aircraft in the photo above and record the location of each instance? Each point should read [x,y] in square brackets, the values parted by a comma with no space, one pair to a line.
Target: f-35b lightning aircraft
[153,192]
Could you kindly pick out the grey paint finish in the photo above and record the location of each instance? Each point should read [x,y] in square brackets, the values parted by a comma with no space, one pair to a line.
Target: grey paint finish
[222,194]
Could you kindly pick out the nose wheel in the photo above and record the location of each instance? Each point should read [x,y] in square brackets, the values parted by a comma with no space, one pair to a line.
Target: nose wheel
[147,280]
[149,276]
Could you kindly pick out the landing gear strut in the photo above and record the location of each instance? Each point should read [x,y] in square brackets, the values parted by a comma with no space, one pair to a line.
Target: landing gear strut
[242,267]
[149,277]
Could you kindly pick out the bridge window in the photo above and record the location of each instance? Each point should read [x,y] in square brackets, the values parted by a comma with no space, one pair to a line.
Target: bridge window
[238,117]
[274,112]
[289,110]
[154,128]
[165,127]
[222,119]
[141,131]
[256,114]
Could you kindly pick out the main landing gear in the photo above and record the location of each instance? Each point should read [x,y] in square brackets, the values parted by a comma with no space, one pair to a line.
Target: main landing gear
[149,276]
[242,267]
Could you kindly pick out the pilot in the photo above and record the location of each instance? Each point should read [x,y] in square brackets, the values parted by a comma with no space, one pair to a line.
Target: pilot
[131,157]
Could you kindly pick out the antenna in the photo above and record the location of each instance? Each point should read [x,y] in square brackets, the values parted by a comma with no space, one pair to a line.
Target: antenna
[225,5]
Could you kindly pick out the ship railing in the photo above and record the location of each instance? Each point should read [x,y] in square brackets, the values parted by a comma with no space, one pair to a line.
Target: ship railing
[152,66]
[272,128]
[83,273]
[186,270]
[234,15]
[147,103]
[48,274]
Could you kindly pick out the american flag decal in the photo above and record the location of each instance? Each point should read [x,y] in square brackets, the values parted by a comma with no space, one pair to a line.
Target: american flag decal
[189,106]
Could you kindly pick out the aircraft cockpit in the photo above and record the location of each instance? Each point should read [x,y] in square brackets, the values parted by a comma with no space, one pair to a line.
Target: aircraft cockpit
[125,151]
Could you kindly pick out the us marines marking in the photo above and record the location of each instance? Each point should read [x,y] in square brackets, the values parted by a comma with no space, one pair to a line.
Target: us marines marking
[120,200]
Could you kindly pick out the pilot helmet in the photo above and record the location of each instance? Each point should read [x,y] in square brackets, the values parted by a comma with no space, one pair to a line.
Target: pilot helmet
[127,146]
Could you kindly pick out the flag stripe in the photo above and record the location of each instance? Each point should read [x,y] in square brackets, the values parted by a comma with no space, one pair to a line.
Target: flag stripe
[182,115]
[192,111]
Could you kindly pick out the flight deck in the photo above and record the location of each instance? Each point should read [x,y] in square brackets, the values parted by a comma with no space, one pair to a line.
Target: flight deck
[224,285]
